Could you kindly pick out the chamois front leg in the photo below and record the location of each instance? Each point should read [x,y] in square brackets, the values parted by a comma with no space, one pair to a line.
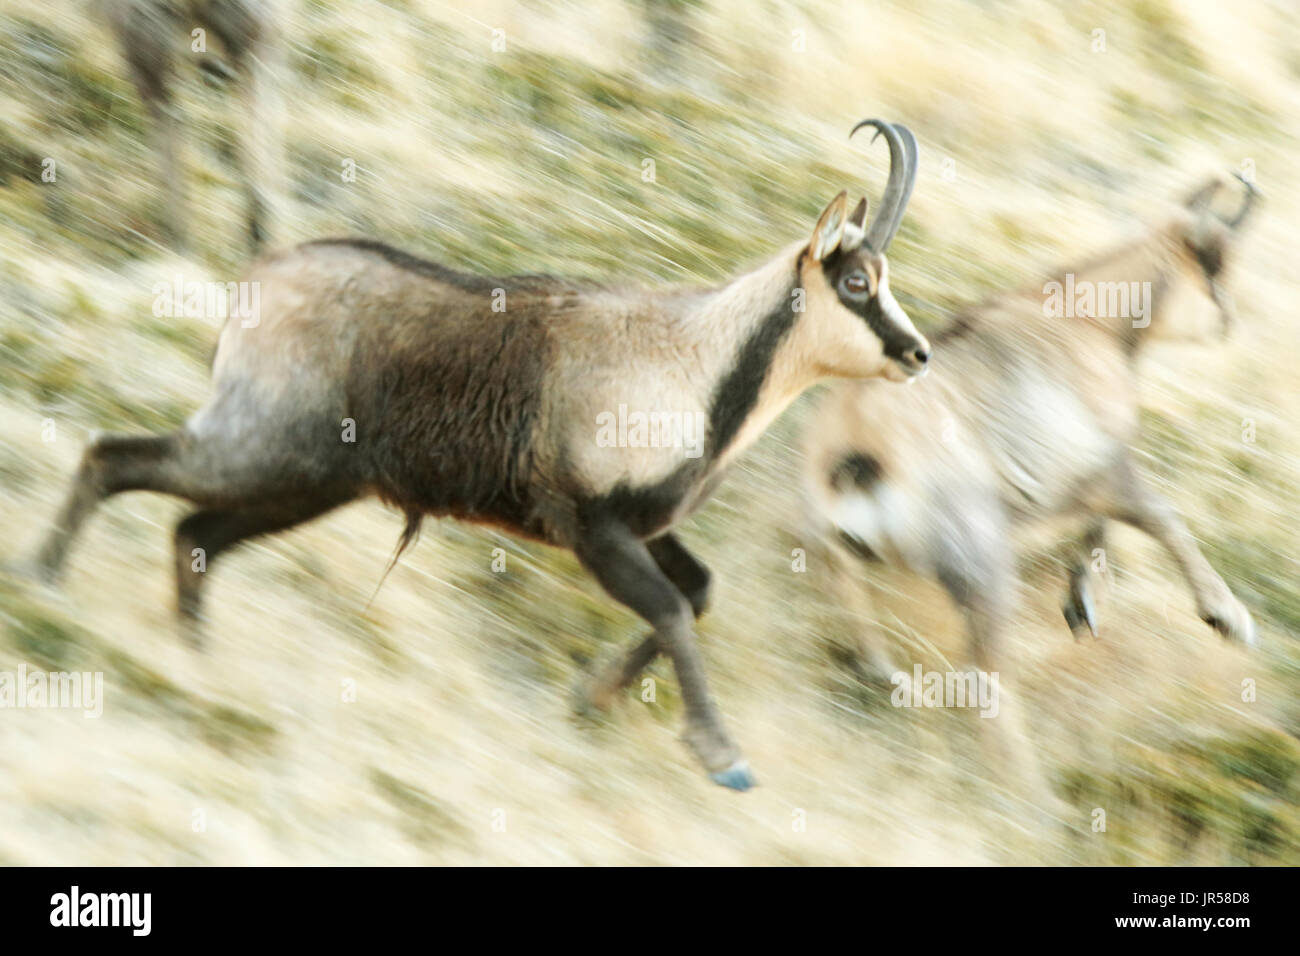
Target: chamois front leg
[624,566]
[1141,506]
[692,579]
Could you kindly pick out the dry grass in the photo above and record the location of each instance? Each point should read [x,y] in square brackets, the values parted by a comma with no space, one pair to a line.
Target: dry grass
[531,160]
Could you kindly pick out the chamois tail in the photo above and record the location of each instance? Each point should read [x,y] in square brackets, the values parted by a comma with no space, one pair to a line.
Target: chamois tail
[409,535]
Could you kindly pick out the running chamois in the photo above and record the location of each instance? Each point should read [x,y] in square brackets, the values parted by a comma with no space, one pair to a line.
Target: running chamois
[462,409]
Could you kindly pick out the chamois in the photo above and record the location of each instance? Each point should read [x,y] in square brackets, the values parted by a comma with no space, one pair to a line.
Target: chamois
[152,35]
[1029,414]
[489,414]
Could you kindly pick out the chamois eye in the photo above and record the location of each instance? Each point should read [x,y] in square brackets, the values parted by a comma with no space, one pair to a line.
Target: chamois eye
[856,283]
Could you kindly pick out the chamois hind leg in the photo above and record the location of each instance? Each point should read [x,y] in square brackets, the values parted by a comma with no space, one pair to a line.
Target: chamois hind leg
[692,579]
[266,479]
[1136,503]
[109,465]
[203,534]
[626,569]
[1080,606]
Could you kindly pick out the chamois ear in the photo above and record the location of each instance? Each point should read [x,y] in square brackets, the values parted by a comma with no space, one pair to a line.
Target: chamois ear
[829,230]
[859,217]
[856,228]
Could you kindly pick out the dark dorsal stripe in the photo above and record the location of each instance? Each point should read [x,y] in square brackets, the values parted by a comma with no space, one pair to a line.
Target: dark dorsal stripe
[542,284]
[736,395]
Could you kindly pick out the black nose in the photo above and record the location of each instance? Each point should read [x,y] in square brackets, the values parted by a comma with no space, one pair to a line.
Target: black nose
[921,356]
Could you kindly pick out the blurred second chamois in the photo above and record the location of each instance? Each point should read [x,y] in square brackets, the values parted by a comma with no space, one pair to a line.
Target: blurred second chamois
[1029,413]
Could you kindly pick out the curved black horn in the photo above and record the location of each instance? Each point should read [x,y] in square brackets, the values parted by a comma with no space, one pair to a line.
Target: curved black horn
[909,144]
[1246,204]
[880,231]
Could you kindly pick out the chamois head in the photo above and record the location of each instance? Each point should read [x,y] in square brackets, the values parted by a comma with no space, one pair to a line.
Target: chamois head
[1202,241]
[846,277]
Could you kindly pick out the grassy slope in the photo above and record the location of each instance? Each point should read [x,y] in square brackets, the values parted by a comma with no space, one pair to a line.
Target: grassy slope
[531,160]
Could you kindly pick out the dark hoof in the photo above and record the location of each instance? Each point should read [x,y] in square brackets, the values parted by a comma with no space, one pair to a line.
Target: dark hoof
[1080,610]
[736,777]
[1237,628]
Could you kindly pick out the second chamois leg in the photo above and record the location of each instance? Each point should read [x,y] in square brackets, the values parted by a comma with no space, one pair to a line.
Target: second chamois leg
[110,465]
[1138,504]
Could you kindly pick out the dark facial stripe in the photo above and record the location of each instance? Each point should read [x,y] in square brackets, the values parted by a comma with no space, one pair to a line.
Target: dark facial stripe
[736,396]
[895,342]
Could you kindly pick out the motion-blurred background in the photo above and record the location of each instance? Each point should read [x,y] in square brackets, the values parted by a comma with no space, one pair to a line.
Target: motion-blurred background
[1047,130]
